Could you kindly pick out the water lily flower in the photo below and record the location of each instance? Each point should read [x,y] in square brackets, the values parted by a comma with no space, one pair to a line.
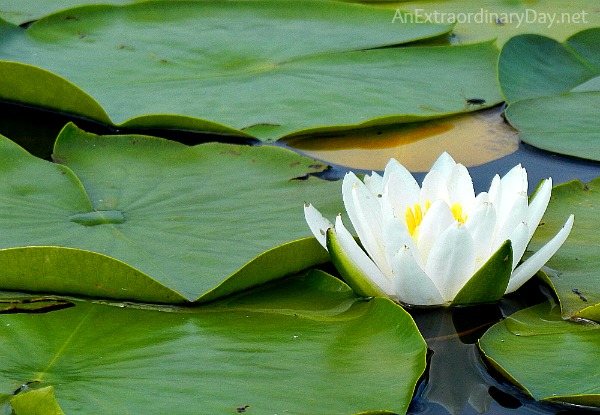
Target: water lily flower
[438,243]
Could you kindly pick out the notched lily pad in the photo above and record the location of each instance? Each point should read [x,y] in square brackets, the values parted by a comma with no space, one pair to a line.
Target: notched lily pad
[146,219]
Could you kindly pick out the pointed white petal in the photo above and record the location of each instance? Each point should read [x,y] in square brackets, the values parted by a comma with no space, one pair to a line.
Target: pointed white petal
[360,258]
[400,191]
[481,224]
[528,268]
[451,260]
[317,223]
[495,192]
[434,187]
[435,221]
[411,283]
[366,217]
[509,219]
[460,188]
[374,183]
[519,241]
[513,186]
[444,163]
[538,205]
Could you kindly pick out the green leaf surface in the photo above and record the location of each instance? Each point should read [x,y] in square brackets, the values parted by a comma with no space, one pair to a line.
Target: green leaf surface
[302,66]
[548,357]
[554,91]
[142,218]
[573,270]
[306,342]
[490,281]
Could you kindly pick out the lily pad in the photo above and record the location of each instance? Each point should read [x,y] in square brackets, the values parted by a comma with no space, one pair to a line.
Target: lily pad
[551,359]
[304,343]
[573,270]
[147,219]
[319,66]
[554,92]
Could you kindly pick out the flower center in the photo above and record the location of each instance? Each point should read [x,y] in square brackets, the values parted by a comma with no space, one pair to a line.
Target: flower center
[414,216]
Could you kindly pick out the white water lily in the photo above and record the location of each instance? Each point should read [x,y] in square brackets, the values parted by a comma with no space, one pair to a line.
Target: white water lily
[422,244]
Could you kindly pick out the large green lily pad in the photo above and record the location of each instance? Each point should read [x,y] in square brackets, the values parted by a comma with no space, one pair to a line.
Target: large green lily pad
[573,270]
[302,66]
[305,343]
[153,220]
[551,359]
[554,91]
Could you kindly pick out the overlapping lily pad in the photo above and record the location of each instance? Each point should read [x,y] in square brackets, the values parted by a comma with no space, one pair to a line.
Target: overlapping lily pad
[573,270]
[302,344]
[554,91]
[551,359]
[301,66]
[154,220]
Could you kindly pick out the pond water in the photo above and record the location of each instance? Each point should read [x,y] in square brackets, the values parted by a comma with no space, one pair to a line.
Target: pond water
[457,381]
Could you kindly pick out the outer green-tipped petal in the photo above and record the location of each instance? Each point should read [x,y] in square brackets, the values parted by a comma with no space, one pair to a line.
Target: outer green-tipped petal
[538,205]
[411,283]
[451,260]
[528,268]
[353,264]
[317,223]
[489,283]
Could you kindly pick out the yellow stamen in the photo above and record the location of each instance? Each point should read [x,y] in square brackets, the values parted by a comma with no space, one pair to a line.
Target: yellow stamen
[414,217]
[457,212]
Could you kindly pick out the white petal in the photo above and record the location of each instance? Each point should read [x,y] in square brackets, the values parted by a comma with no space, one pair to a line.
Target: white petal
[538,205]
[434,187]
[509,218]
[317,223]
[396,236]
[451,261]
[519,241]
[444,163]
[460,188]
[435,221]
[365,214]
[481,224]
[411,283]
[495,192]
[400,191]
[528,268]
[513,186]
[374,183]
[360,258]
